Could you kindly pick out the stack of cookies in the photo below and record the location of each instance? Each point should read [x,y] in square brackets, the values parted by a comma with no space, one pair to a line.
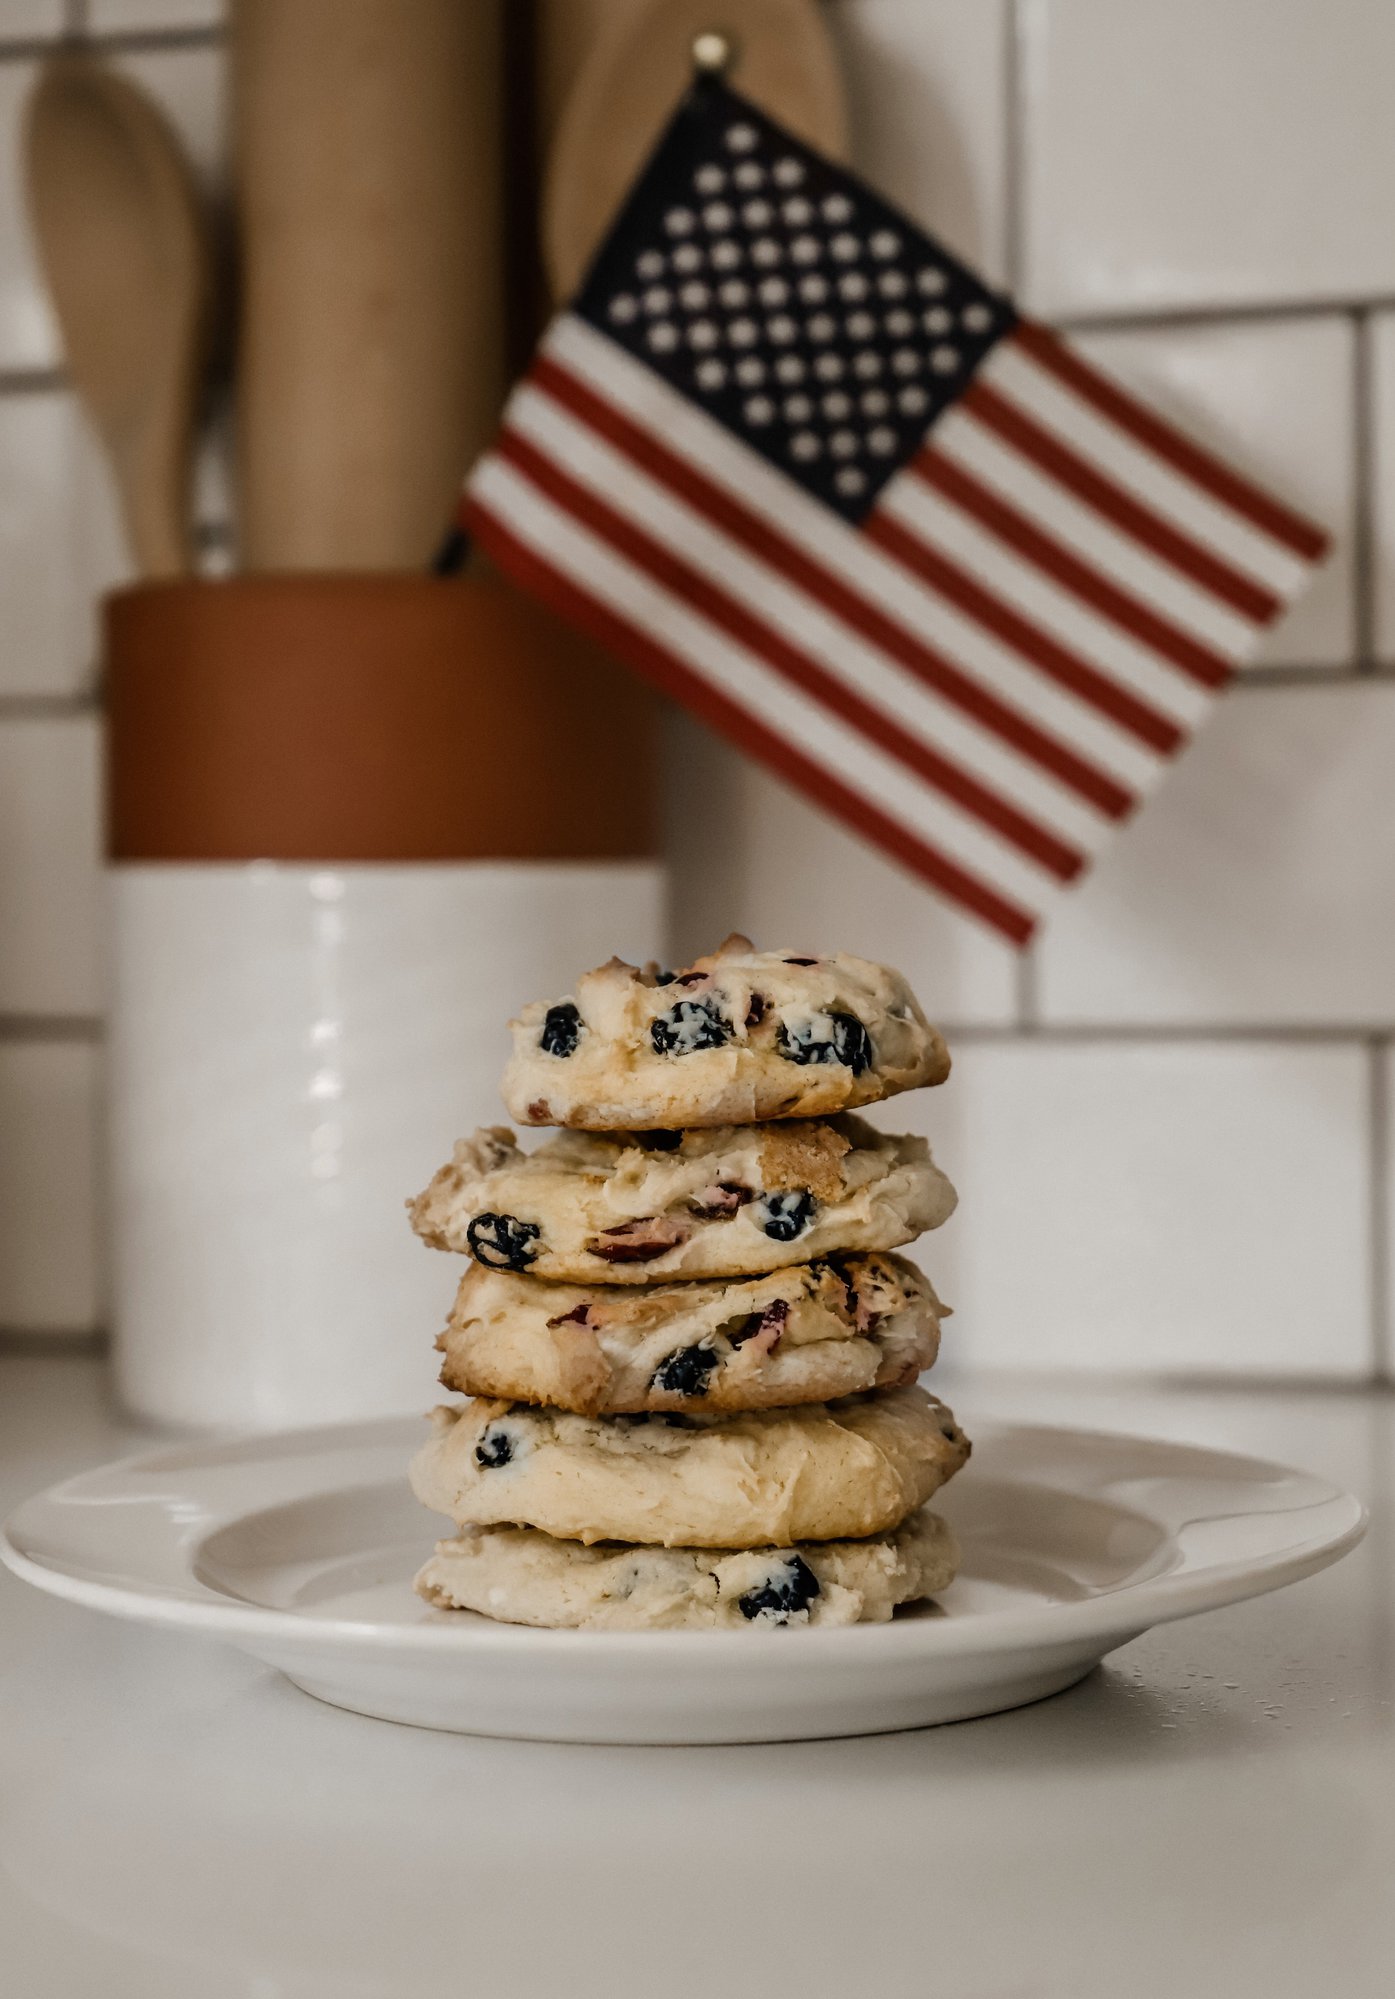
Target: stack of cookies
[690,1353]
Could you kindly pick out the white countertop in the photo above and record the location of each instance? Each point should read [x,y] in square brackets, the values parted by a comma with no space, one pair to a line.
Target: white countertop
[1210,1816]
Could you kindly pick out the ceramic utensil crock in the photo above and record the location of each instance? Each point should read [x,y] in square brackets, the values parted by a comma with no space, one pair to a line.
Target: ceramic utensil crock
[355,821]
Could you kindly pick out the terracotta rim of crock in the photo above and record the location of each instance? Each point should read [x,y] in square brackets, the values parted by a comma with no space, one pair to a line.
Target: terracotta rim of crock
[368,718]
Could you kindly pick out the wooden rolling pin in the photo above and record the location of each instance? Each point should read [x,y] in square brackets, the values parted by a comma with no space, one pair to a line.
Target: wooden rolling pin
[369,168]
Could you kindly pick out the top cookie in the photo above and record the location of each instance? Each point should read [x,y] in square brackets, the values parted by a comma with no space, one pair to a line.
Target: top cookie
[738,1038]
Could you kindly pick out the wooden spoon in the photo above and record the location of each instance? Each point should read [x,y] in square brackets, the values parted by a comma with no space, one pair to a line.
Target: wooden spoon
[125,250]
[626,90]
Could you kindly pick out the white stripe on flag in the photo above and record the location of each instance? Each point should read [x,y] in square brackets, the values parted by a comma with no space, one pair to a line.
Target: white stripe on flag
[968,442]
[866,672]
[1178,500]
[594,567]
[1043,602]
[881,581]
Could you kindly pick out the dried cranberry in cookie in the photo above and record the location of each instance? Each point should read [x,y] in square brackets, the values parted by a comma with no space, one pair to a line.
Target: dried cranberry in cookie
[742,1036]
[808,1333]
[639,1241]
[725,1201]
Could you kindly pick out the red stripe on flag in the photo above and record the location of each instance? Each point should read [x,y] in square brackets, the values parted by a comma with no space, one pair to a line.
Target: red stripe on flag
[905,546]
[747,527]
[953,483]
[674,678]
[693,588]
[991,407]
[1298,535]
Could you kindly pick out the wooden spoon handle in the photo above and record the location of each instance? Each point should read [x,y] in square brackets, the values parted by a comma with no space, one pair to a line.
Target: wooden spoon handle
[630,82]
[122,237]
[371,356]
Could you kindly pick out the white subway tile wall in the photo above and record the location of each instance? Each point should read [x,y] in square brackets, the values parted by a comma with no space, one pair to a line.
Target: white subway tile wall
[50,904]
[1258,887]
[1205,153]
[22,19]
[28,332]
[1166,1206]
[1170,1123]
[50,1225]
[112,17]
[189,85]
[928,105]
[1381,366]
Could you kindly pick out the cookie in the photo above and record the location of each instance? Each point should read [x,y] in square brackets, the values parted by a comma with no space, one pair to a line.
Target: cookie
[740,1037]
[770,1477]
[521,1576]
[807,1334]
[637,1207]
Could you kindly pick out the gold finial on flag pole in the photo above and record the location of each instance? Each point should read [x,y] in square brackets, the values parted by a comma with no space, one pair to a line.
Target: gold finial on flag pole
[714,52]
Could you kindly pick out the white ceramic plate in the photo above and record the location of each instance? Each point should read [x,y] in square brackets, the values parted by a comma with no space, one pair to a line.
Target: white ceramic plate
[300,1549]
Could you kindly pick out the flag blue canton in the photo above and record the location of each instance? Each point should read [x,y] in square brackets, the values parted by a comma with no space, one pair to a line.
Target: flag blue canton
[789,301]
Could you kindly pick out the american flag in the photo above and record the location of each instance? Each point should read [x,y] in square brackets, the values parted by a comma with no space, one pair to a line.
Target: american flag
[805,472]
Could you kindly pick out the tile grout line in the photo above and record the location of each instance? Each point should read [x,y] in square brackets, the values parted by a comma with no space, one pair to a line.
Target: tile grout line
[23,1028]
[1143,319]
[75,27]
[1110,1034]
[1117,1033]
[1024,991]
[47,707]
[1363,497]
[1360,669]
[1382,1356]
[29,1341]
[32,381]
[151,41]
[1014,190]
[1014,179]
[217,536]
[1024,968]
[30,48]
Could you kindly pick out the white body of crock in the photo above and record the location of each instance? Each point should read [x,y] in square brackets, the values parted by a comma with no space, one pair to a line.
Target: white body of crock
[294,1050]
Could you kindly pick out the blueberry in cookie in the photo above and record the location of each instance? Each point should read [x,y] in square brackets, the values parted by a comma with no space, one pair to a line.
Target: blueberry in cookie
[786,1593]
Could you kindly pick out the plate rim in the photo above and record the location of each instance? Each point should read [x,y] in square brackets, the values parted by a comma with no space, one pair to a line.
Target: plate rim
[1114,1614]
